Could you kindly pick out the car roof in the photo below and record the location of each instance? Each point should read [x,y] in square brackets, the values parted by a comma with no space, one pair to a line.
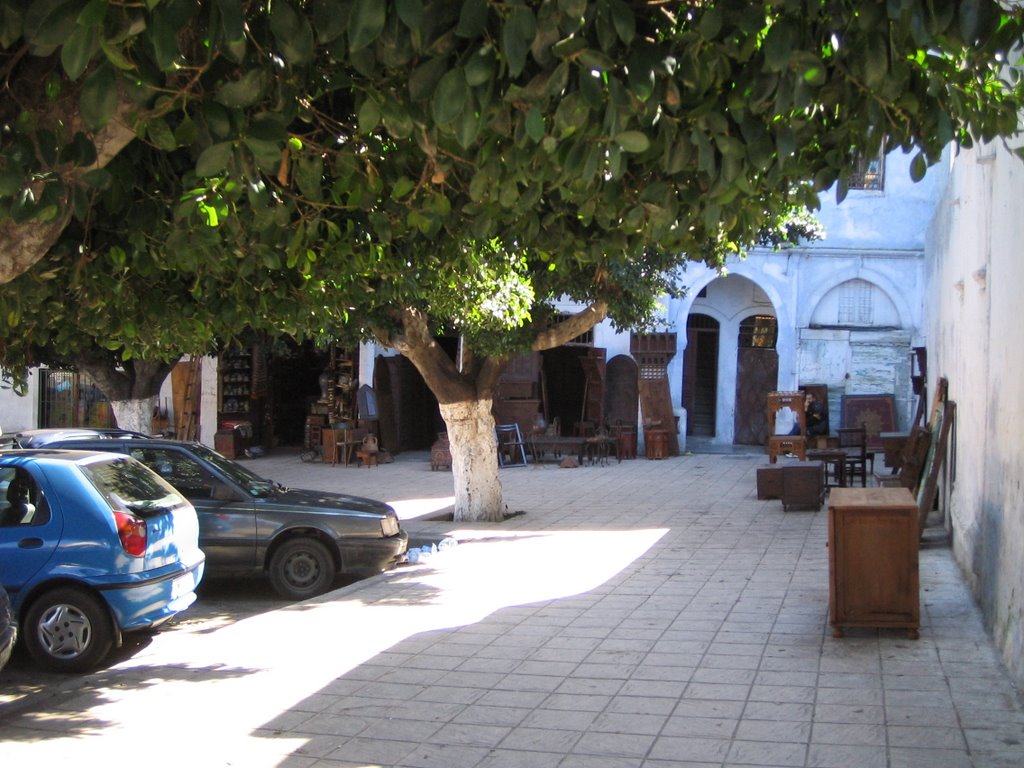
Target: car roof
[15,456]
[34,438]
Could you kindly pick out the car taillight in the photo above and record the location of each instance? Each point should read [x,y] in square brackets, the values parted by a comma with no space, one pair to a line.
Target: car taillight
[132,531]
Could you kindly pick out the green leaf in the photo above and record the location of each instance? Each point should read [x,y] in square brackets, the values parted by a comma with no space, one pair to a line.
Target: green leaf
[330,19]
[397,121]
[10,183]
[594,59]
[98,98]
[411,13]
[214,159]
[93,14]
[633,141]
[450,98]
[516,38]
[164,36]
[402,187]
[467,128]
[710,23]
[535,124]
[369,116]
[918,166]
[267,154]
[113,53]
[424,79]
[623,20]
[366,23]
[778,46]
[160,134]
[472,18]
[244,92]
[78,51]
[480,66]
[48,24]
[98,178]
[292,33]
[231,20]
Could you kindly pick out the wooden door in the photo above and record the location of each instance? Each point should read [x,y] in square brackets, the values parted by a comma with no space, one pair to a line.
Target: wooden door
[757,372]
[622,396]
[700,375]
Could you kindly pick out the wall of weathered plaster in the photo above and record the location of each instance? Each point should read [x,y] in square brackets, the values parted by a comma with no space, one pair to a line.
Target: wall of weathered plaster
[975,284]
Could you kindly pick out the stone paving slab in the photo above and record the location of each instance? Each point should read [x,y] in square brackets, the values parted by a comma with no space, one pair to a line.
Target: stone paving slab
[637,615]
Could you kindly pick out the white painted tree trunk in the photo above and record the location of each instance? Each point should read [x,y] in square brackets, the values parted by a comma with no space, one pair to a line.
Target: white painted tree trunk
[135,415]
[474,450]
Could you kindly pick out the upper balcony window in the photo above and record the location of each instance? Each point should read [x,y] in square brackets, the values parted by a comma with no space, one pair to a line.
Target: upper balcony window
[869,174]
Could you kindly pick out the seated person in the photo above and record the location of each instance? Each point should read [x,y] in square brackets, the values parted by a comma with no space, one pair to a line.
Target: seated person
[814,414]
[20,508]
[817,419]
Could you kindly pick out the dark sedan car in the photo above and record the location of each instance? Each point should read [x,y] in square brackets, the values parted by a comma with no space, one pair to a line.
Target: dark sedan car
[249,525]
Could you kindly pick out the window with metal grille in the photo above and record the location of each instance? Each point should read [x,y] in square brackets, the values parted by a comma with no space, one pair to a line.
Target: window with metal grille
[760,331]
[856,303]
[586,338]
[71,399]
[870,173]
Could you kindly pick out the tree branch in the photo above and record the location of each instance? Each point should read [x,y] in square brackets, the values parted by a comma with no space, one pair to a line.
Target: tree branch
[571,327]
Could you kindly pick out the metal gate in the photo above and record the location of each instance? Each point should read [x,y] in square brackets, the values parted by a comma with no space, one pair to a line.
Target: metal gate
[70,399]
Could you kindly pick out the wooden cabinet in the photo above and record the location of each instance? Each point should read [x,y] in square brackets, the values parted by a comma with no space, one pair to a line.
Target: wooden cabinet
[873,542]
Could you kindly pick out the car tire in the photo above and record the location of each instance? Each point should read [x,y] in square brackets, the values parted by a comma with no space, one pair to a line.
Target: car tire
[302,568]
[68,630]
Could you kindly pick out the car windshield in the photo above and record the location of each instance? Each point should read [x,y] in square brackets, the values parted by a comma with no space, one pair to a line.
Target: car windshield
[250,481]
[130,485]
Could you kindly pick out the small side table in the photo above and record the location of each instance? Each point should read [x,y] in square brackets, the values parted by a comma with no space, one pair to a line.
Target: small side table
[835,465]
[656,443]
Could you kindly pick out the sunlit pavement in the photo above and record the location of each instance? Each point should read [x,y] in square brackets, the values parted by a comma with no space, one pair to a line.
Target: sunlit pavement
[648,613]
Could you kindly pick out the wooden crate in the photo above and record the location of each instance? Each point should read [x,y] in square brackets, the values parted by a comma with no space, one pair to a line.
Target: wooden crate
[803,485]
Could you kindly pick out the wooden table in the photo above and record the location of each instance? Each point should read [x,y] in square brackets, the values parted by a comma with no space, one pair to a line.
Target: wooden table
[873,576]
[834,460]
[557,445]
[892,444]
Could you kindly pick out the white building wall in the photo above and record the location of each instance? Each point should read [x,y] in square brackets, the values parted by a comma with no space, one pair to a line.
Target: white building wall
[975,282]
[18,412]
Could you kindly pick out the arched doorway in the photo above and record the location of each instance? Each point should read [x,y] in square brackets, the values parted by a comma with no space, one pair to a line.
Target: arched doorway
[757,374]
[700,375]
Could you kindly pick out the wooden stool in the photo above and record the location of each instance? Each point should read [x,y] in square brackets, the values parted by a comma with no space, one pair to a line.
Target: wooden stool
[367,458]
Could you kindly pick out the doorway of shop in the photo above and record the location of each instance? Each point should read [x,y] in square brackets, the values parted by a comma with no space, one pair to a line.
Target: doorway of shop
[700,375]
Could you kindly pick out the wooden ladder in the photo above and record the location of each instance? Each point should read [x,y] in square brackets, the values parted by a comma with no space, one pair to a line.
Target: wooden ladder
[187,423]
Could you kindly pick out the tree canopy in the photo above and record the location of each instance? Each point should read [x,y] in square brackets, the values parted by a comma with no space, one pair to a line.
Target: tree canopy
[387,169]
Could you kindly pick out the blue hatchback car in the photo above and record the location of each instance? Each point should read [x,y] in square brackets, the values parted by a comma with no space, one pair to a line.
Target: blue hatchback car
[92,545]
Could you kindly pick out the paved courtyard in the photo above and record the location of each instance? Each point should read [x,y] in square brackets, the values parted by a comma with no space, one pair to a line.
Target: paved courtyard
[646,614]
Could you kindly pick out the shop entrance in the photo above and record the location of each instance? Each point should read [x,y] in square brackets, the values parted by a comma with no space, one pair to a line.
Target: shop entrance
[294,370]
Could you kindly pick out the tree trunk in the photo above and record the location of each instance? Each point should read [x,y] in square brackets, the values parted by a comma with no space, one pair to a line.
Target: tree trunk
[135,414]
[474,450]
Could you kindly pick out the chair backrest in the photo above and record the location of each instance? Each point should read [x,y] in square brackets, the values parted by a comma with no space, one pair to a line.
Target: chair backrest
[854,437]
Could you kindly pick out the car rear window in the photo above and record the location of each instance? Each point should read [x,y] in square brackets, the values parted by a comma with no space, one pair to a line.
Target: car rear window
[129,484]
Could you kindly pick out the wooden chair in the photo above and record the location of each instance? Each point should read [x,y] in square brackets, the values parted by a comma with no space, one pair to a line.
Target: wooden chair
[854,441]
[910,467]
[779,445]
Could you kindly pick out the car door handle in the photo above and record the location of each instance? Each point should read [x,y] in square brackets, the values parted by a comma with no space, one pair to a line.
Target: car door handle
[32,543]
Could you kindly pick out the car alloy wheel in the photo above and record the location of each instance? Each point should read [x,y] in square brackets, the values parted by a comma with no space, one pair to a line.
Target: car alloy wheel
[68,630]
[301,568]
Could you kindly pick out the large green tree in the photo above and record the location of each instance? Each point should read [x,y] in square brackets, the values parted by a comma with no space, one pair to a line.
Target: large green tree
[391,169]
